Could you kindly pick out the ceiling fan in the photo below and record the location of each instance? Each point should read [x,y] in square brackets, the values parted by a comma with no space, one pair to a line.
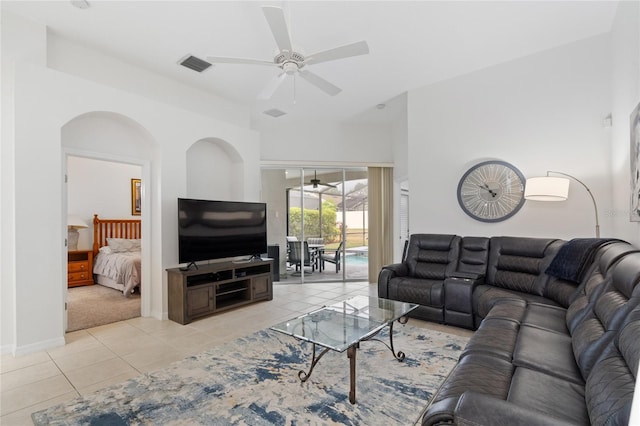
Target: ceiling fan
[315,181]
[292,62]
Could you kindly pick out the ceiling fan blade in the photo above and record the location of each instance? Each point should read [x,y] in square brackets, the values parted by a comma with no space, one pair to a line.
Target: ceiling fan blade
[320,82]
[353,49]
[272,86]
[278,25]
[218,60]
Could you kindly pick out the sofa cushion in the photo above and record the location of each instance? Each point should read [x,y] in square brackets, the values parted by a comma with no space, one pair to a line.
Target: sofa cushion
[620,295]
[509,309]
[476,409]
[548,394]
[474,253]
[610,386]
[486,296]
[432,256]
[496,336]
[416,290]
[561,291]
[552,318]
[548,352]
[518,263]
[480,373]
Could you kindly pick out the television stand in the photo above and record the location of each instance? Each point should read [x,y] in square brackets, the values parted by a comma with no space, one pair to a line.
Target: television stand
[188,267]
[217,287]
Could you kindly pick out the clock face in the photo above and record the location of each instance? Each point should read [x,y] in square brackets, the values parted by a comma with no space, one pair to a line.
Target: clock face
[491,191]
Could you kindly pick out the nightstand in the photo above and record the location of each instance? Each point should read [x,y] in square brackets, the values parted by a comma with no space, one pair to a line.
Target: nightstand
[80,268]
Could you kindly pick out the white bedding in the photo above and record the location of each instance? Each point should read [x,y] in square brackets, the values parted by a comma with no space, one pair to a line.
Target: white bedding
[122,268]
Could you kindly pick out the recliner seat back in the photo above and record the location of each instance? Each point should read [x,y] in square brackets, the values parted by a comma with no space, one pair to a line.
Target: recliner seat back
[518,263]
[598,328]
[474,254]
[610,386]
[593,283]
[432,256]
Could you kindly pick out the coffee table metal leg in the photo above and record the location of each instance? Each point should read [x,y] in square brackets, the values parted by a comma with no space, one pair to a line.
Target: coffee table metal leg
[398,355]
[302,375]
[351,354]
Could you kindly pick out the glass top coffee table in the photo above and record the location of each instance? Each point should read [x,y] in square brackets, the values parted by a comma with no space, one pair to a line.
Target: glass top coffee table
[342,326]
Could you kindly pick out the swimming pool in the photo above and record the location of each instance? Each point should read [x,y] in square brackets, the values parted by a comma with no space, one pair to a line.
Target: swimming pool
[357,260]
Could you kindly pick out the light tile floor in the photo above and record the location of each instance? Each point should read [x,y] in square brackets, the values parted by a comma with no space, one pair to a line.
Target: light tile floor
[102,356]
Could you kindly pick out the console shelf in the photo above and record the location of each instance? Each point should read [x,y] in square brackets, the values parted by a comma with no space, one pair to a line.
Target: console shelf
[216,287]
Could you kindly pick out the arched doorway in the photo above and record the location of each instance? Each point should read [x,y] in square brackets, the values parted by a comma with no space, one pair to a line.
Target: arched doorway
[112,138]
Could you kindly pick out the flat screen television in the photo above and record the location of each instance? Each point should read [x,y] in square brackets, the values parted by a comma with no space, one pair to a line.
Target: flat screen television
[220,229]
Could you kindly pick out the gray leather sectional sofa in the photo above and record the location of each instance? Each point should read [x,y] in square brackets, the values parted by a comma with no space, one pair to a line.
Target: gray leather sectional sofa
[557,325]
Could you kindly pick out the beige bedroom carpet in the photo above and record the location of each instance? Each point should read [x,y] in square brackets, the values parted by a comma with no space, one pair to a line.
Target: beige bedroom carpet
[94,305]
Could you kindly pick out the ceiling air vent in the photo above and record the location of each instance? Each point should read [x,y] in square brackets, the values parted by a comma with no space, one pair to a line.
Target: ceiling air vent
[275,113]
[194,63]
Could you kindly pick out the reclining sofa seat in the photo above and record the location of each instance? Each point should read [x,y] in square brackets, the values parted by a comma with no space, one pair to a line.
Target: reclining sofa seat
[515,270]
[584,373]
[457,280]
[419,279]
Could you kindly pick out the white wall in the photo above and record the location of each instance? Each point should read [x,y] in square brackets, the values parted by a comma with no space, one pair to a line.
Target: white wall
[214,172]
[26,43]
[542,112]
[327,142]
[72,58]
[625,85]
[400,169]
[99,187]
[52,99]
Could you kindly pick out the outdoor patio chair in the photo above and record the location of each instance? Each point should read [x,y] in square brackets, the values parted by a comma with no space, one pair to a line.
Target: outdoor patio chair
[296,250]
[334,257]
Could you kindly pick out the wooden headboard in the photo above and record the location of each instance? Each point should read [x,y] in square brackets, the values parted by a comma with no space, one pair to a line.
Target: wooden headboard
[113,228]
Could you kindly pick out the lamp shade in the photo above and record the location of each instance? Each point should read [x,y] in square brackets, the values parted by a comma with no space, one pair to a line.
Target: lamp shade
[547,188]
[75,221]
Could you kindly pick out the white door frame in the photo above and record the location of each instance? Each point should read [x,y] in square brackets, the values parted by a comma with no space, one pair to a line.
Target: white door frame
[145,285]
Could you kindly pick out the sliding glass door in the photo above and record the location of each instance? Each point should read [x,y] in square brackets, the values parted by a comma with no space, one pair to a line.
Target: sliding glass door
[319,218]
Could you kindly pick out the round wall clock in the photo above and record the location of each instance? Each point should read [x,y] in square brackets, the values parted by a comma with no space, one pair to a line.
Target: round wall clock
[491,191]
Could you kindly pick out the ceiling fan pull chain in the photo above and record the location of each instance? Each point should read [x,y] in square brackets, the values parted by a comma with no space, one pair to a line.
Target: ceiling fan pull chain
[294,90]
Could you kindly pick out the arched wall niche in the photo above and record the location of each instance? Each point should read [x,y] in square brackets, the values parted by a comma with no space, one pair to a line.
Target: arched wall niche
[215,171]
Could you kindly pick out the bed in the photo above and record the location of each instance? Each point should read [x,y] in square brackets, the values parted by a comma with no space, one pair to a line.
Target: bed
[116,251]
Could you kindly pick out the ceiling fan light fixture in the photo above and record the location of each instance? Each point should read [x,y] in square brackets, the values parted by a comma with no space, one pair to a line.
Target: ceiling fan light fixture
[294,63]
[290,68]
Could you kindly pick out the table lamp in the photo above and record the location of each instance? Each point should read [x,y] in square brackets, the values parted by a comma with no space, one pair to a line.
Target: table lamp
[74,222]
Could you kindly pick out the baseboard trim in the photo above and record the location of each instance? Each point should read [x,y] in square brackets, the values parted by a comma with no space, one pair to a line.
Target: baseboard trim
[39,346]
[6,349]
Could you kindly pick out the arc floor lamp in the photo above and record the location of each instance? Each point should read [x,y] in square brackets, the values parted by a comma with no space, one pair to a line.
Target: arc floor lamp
[552,188]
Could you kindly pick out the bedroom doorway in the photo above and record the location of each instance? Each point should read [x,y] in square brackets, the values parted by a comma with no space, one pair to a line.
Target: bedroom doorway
[109,188]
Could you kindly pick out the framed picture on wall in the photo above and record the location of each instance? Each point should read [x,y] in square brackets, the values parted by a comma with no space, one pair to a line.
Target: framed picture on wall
[634,213]
[136,197]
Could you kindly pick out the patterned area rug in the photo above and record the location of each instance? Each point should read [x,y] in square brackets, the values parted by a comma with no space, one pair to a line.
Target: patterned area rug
[254,381]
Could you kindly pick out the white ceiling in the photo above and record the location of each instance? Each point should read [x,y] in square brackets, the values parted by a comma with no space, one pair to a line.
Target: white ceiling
[412,44]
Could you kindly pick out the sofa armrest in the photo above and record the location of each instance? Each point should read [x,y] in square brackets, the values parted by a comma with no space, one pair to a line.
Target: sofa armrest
[468,276]
[475,409]
[458,299]
[398,269]
[386,274]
